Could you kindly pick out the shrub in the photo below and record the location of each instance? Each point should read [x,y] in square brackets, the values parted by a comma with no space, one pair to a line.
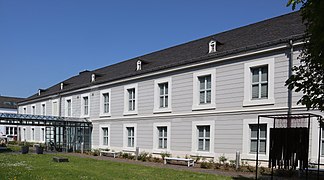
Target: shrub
[207,164]
[143,156]
[222,159]
[166,154]
[95,152]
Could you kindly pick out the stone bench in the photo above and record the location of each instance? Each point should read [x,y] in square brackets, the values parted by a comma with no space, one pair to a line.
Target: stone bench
[190,162]
[109,153]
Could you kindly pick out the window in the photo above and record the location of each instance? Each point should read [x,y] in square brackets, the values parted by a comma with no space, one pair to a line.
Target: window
[42,134]
[212,46]
[68,107]
[33,134]
[24,133]
[204,90]
[262,138]
[105,136]
[162,95]
[25,110]
[130,99]
[43,105]
[105,97]
[322,142]
[55,108]
[85,105]
[259,82]
[163,137]
[129,139]
[203,138]
[33,112]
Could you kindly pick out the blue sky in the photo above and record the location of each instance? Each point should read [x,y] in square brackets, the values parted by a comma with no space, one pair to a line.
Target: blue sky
[43,42]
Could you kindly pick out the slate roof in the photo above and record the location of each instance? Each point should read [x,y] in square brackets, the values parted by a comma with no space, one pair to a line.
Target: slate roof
[9,102]
[262,34]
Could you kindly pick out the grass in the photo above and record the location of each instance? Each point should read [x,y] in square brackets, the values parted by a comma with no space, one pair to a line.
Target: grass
[33,166]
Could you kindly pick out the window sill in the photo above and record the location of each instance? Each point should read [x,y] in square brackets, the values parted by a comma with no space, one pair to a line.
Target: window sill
[105,115]
[257,102]
[198,107]
[162,110]
[129,149]
[129,113]
[202,154]
[161,151]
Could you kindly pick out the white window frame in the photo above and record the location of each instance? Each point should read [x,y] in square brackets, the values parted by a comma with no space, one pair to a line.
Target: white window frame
[32,134]
[24,110]
[156,148]
[196,89]
[126,110]
[24,130]
[33,109]
[248,101]
[125,137]
[157,108]
[101,135]
[66,106]
[102,113]
[195,136]
[42,136]
[246,154]
[82,105]
[43,113]
[57,106]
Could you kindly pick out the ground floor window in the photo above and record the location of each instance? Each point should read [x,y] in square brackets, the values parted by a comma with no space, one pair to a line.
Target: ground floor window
[130,137]
[105,136]
[203,138]
[262,138]
[163,137]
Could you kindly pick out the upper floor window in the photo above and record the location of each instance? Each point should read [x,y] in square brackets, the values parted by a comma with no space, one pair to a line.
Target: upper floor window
[68,107]
[85,105]
[43,109]
[212,46]
[25,110]
[254,138]
[204,89]
[259,82]
[105,97]
[162,95]
[130,99]
[33,110]
[55,108]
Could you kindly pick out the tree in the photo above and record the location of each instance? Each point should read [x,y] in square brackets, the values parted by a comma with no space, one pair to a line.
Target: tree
[308,76]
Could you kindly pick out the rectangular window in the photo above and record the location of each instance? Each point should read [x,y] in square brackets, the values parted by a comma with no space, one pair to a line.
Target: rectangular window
[86,105]
[205,89]
[33,134]
[130,137]
[262,138]
[131,99]
[33,110]
[164,95]
[105,136]
[55,109]
[259,82]
[43,109]
[322,138]
[163,137]
[25,110]
[69,107]
[105,102]
[203,138]
[43,134]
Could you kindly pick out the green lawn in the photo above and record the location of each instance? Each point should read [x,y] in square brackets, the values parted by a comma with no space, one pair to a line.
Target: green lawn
[33,166]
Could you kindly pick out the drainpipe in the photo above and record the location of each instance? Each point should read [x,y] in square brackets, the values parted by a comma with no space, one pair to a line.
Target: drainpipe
[290,65]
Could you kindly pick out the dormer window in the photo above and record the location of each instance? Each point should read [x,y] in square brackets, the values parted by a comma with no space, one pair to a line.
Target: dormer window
[139,65]
[212,46]
[93,77]
[62,86]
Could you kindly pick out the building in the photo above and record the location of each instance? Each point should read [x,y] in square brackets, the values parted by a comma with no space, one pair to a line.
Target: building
[9,105]
[201,98]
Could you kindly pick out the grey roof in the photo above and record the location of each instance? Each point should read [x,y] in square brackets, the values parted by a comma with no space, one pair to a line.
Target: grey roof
[9,102]
[247,38]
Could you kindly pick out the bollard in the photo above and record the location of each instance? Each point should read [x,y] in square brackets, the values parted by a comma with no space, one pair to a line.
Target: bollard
[136,153]
[82,148]
[238,159]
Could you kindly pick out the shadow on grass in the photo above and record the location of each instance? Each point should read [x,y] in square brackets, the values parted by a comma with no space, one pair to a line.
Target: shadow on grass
[242,178]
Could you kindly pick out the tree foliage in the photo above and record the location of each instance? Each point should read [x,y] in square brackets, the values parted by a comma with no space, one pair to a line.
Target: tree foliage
[308,76]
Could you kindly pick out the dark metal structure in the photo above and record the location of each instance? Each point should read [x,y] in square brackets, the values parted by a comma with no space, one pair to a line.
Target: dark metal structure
[61,133]
[289,141]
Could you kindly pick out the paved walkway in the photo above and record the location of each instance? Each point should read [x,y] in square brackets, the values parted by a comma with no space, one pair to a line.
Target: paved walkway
[235,175]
